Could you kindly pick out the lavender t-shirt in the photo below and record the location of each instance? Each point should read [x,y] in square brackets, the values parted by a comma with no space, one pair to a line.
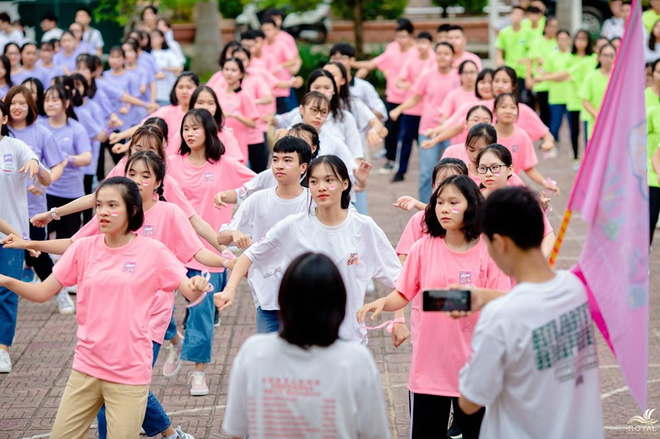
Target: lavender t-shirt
[73,140]
[90,116]
[43,144]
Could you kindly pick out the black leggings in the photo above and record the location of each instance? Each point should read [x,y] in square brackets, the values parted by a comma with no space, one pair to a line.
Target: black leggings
[258,155]
[43,265]
[654,208]
[429,417]
[544,107]
[68,225]
[574,119]
[393,130]
[89,213]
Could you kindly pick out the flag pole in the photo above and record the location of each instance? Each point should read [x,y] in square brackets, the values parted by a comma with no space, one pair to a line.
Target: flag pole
[560,237]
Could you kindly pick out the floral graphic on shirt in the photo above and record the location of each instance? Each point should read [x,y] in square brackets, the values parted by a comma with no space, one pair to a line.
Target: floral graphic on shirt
[353,259]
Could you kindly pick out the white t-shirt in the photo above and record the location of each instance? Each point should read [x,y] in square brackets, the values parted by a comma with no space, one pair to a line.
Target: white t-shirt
[534,364]
[277,389]
[14,154]
[256,216]
[261,181]
[358,247]
[366,92]
[165,59]
[94,38]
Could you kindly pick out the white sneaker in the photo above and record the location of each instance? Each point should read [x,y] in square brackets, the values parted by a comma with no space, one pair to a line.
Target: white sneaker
[182,434]
[72,290]
[172,365]
[5,361]
[64,303]
[198,385]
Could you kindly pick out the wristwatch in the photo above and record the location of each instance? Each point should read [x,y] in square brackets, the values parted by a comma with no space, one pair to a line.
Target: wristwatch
[55,216]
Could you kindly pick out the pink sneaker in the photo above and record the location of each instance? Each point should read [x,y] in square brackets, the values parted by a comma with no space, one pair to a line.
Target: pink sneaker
[198,385]
[172,365]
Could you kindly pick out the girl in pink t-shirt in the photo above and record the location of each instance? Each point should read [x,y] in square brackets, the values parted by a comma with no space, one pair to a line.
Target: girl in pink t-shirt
[239,108]
[495,169]
[467,72]
[451,253]
[203,171]
[114,354]
[517,140]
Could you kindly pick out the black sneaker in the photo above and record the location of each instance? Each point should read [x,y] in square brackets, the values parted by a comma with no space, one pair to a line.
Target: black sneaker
[454,432]
[397,178]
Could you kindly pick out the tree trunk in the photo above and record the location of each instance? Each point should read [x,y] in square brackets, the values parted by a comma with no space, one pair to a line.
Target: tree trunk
[357,26]
[208,42]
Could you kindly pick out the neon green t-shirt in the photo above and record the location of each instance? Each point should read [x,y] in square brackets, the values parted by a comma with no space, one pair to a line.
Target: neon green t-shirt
[653,140]
[651,99]
[578,70]
[558,92]
[593,90]
[540,47]
[538,31]
[649,18]
[514,46]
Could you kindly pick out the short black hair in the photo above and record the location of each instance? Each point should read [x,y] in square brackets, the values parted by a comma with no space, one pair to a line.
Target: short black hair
[447,44]
[192,76]
[480,77]
[338,167]
[444,27]
[50,16]
[484,131]
[343,49]
[268,21]
[214,149]
[403,24]
[153,8]
[513,202]
[311,319]
[248,35]
[303,128]
[533,10]
[4,17]
[218,116]
[39,86]
[273,12]
[130,193]
[425,36]
[589,49]
[471,192]
[294,144]
[84,9]
[456,165]
[456,27]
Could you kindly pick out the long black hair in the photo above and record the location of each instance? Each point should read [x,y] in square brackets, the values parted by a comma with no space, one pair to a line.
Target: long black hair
[334,101]
[218,116]
[311,319]
[344,92]
[64,95]
[192,76]
[481,77]
[214,147]
[471,192]
[40,94]
[7,66]
[303,129]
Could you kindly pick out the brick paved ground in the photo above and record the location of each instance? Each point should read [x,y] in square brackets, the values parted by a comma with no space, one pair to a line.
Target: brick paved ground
[45,340]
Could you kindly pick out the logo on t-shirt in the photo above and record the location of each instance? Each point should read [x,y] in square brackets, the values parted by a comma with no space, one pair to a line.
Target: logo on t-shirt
[353,259]
[66,139]
[9,163]
[465,277]
[514,148]
[148,230]
[129,267]
[208,176]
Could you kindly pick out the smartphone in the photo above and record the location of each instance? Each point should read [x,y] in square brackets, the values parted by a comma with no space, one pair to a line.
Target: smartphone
[447,300]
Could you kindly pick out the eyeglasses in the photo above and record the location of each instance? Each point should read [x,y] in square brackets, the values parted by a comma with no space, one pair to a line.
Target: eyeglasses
[470,73]
[316,111]
[494,169]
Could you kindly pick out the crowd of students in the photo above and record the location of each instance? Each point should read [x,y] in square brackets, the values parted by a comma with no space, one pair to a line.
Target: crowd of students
[164,220]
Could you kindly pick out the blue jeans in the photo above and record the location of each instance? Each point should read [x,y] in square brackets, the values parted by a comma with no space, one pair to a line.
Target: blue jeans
[198,343]
[155,421]
[428,158]
[267,321]
[288,103]
[409,132]
[361,202]
[11,264]
[171,329]
[557,113]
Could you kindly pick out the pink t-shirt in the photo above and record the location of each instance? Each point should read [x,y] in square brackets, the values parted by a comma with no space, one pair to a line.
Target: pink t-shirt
[217,80]
[280,52]
[114,343]
[201,183]
[465,57]
[232,148]
[433,87]
[409,72]
[173,116]
[390,62]
[287,39]
[171,189]
[521,148]
[242,103]
[256,86]
[441,345]
[166,223]
[455,99]
[413,232]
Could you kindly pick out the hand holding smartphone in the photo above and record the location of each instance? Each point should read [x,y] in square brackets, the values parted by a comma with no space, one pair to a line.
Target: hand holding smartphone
[447,300]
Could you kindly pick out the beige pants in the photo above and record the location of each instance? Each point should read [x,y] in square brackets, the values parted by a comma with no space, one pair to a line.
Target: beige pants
[83,397]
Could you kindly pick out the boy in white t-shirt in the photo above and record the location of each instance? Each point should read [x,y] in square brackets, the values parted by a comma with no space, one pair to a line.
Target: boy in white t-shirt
[534,364]
[260,212]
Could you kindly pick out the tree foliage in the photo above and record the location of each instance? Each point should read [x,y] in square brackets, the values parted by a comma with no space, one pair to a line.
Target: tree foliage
[371,9]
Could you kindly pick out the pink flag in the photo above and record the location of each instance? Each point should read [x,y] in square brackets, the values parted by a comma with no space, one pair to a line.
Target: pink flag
[611,194]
